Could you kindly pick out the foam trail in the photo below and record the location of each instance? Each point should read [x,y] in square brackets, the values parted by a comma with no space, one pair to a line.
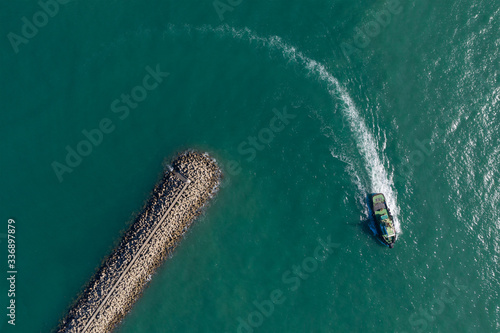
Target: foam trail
[380,181]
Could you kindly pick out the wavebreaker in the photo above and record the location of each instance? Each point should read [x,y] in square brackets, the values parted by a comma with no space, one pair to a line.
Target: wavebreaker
[185,187]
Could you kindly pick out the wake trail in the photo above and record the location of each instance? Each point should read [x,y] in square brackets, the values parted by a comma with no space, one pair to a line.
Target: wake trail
[380,180]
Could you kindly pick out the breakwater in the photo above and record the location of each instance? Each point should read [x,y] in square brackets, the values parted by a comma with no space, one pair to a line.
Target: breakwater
[178,198]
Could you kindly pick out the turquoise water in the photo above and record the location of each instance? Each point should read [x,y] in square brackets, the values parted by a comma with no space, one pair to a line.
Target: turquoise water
[411,111]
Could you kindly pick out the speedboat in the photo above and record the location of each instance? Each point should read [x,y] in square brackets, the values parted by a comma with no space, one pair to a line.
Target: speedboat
[383,220]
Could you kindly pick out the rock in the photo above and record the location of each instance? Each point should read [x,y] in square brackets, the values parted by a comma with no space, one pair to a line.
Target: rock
[175,203]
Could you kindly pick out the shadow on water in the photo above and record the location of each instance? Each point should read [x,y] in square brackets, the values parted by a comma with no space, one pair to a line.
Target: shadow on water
[370,222]
[368,225]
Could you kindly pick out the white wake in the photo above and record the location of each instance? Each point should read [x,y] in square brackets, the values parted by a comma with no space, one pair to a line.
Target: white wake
[380,180]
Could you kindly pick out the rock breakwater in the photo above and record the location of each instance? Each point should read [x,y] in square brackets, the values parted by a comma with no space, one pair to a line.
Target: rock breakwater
[178,198]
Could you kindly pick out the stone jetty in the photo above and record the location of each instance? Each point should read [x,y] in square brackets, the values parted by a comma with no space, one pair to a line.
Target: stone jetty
[178,198]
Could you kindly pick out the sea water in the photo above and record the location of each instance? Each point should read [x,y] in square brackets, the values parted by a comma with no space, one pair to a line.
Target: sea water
[308,107]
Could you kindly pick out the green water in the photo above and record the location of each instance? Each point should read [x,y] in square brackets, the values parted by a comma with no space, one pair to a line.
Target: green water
[412,113]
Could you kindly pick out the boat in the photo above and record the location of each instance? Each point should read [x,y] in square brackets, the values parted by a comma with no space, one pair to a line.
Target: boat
[384,221]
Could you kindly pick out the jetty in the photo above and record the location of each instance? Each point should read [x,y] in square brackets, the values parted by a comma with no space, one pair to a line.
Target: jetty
[186,186]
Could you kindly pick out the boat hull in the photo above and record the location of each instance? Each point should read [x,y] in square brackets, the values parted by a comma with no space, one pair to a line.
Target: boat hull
[383,219]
